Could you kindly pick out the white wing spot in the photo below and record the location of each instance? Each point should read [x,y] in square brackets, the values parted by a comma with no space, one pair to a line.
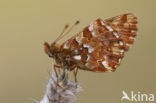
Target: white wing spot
[76,51]
[88,57]
[78,40]
[93,34]
[109,28]
[90,49]
[127,44]
[121,43]
[119,60]
[77,57]
[132,38]
[91,27]
[65,45]
[122,51]
[103,23]
[92,30]
[116,34]
[105,64]
[132,31]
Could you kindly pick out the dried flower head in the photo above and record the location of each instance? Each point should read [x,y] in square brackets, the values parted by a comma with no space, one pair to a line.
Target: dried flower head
[61,90]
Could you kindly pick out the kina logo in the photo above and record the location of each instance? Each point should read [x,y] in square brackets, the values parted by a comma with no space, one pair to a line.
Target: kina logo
[137,96]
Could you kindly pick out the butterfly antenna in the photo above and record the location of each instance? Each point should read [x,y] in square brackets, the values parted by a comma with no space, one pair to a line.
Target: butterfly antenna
[77,22]
[65,27]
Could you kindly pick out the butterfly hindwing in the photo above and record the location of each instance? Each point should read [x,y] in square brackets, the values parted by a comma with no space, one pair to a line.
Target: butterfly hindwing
[102,44]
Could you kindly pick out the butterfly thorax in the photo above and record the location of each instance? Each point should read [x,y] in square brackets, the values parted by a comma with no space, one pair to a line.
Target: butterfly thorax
[62,57]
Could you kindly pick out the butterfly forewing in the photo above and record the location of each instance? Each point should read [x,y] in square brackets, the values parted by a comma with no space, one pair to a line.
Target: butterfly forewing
[102,44]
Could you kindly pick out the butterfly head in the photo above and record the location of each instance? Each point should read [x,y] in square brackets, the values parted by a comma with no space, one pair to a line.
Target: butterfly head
[52,49]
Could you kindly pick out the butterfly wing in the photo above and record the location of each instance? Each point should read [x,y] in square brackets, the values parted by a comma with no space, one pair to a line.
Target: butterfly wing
[102,44]
[125,26]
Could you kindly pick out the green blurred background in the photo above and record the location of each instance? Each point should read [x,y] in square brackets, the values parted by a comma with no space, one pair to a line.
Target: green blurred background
[24,67]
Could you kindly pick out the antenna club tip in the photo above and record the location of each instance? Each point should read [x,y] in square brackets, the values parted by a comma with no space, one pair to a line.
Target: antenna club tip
[67,25]
[77,22]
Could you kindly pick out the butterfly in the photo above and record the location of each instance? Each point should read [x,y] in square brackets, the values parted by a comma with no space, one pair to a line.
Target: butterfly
[99,47]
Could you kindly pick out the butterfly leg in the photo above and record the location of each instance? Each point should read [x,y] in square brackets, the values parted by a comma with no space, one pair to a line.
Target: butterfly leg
[75,75]
[59,71]
[56,66]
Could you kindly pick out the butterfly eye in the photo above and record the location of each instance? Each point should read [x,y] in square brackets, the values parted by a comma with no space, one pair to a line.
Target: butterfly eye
[47,49]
